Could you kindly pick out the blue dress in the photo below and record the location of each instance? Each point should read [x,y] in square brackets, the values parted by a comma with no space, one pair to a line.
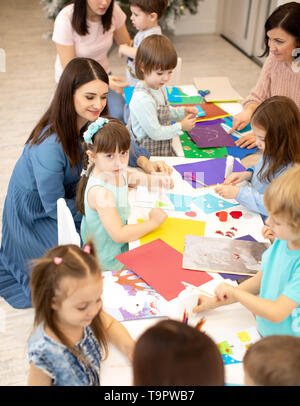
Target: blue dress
[42,175]
[58,362]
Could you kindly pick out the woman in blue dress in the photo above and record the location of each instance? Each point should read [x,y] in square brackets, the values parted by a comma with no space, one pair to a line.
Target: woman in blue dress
[48,169]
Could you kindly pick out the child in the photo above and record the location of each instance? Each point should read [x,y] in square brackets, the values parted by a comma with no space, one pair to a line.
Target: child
[71,328]
[102,195]
[144,16]
[171,353]
[273,294]
[273,361]
[276,125]
[150,112]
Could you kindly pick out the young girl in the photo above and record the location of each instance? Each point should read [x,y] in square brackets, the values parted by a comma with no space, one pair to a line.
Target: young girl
[102,195]
[273,294]
[276,125]
[150,112]
[173,353]
[71,328]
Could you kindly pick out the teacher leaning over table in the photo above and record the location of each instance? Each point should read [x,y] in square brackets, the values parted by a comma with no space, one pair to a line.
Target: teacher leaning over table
[48,169]
[280,75]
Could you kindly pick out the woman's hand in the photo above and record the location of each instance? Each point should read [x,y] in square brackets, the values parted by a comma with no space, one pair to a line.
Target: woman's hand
[153,166]
[241,119]
[237,177]
[248,140]
[228,192]
[117,84]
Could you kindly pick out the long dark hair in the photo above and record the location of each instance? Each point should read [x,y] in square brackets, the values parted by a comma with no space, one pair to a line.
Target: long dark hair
[45,282]
[112,135]
[286,17]
[79,22]
[61,117]
[279,117]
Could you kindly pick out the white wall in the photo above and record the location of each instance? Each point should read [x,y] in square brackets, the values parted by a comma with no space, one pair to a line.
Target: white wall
[204,22]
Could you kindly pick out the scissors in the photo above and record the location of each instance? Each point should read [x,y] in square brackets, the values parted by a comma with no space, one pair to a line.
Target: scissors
[203,93]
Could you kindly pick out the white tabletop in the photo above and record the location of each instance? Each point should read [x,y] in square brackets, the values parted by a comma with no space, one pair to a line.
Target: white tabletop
[116,370]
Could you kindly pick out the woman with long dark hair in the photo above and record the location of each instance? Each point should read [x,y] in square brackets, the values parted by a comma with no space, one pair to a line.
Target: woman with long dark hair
[48,169]
[87,28]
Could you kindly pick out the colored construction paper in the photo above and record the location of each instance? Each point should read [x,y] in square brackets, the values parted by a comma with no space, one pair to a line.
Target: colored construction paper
[173,232]
[210,136]
[160,266]
[210,122]
[191,150]
[239,152]
[211,204]
[228,121]
[181,202]
[201,113]
[128,93]
[211,171]
[212,111]
[219,86]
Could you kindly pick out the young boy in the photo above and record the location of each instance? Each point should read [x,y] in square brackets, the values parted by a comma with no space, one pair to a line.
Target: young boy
[144,16]
[273,293]
[273,361]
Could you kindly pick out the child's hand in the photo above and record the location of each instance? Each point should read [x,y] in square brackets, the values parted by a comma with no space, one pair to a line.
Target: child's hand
[157,216]
[156,166]
[188,123]
[206,303]
[224,292]
[267,233]
[228,192]
[192,110]
[237,177]
[248,140]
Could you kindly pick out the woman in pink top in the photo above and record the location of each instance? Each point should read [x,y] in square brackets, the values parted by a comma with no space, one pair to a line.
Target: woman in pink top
[87,28]
[280,75]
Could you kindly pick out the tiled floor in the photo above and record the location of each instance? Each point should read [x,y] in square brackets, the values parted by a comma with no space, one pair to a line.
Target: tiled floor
[25,90]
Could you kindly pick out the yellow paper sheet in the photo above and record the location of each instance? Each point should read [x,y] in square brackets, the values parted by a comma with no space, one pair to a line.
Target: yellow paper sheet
[173,232]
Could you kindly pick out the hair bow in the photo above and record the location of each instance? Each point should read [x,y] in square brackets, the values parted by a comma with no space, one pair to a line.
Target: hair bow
[93,128]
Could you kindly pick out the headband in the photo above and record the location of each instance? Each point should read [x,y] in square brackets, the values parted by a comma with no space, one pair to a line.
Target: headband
[93,128]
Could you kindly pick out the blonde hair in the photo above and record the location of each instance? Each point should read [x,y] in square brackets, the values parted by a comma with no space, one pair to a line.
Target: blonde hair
[282,196]
[46,277]
[155,52]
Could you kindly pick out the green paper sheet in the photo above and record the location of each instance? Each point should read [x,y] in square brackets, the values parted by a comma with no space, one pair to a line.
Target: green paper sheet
[191,150]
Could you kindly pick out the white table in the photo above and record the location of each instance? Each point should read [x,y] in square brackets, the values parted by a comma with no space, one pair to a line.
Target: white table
[116,370]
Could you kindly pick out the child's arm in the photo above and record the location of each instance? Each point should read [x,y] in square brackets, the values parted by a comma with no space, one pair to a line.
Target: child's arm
[118,335]
[127,50]
[36,377]
[251,285]
[103,201]
[273,310]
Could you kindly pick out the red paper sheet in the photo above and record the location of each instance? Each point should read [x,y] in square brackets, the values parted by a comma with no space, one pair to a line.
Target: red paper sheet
[161,267]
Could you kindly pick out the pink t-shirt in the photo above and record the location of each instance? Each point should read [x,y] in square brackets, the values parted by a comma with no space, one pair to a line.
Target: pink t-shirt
[94,45]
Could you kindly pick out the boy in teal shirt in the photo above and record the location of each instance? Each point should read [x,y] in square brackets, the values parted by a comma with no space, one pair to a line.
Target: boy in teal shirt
[273,294]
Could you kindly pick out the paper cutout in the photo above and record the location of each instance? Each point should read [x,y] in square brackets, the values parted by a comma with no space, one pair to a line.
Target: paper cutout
[177,96]
[160,266]
[212,111]
[235,346]
[210,136]
[180,202]
[210,204]
[128,91]
[211,171]
[173,232]
[191,150]
[201,113]
[223,255]
[126,296]
[220,89]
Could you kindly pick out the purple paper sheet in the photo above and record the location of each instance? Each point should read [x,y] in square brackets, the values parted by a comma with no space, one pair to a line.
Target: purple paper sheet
[210,122]
[235,277]
[211,136]
[210,172]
